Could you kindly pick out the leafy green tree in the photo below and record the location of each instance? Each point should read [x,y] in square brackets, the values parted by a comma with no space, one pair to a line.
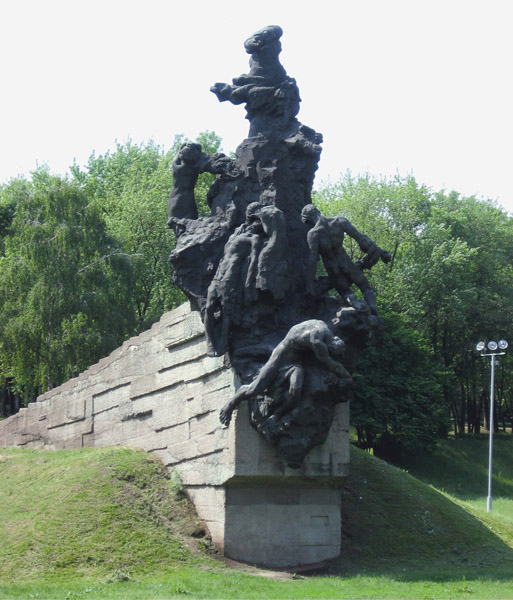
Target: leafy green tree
[397,399]
[63,285]
[8,195]
[486,313]
[450,279]
[132,186]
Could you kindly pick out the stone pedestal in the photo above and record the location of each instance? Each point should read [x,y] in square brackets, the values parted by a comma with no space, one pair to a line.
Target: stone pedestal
[281,524]
[262,512]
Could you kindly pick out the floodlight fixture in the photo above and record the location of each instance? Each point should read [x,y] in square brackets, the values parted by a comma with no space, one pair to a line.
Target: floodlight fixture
[492,345]
[480,346]
[503,344]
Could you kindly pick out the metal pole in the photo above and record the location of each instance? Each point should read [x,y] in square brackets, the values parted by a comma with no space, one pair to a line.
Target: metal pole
[490,450]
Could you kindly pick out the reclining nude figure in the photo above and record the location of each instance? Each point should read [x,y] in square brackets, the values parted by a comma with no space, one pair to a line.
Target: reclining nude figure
[285,363]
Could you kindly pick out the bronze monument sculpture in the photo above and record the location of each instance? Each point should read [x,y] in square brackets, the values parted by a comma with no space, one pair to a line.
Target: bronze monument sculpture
[250,267]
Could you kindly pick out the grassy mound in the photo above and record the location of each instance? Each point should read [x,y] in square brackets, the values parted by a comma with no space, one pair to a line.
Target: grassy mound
[395,524]
[102,511]
[77,523]
[460,466]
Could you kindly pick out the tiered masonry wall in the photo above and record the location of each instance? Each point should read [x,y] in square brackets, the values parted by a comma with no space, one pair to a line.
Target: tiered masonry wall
[162,393]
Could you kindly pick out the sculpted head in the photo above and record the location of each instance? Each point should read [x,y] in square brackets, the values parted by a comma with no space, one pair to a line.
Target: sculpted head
[310,214]
[190,151]
[337,346]
[267,37]
[253,216]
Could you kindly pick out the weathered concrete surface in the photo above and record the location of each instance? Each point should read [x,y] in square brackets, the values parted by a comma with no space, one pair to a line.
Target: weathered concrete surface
[162,393]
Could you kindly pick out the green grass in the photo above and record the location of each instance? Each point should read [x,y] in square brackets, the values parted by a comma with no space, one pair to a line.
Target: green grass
[89,512]
[110,523]
[397,525]
[460,467]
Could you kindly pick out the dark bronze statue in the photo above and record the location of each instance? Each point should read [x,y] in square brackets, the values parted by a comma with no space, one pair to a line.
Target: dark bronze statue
[325,240]
[234,280]
[309,340]
[188,164]
[271,97]
[250,266]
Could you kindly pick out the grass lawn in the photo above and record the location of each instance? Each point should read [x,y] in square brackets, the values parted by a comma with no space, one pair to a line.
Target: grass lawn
[110,523]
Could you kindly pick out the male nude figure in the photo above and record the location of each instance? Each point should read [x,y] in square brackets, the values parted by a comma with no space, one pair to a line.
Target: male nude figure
[326,238]
[285,363]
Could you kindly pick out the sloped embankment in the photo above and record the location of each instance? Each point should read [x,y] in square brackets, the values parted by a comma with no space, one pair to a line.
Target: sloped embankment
[394,523]
[98,512]
[91,512]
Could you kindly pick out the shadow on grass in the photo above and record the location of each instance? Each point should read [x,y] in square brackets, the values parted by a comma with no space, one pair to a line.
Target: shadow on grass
[460,466]
[395,525]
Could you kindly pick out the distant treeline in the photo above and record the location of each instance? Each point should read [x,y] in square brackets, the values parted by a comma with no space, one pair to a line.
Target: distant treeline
[84,266]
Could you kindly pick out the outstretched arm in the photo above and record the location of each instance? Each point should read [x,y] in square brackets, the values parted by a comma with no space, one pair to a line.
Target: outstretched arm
[361,239]
[235,94]
[372,250]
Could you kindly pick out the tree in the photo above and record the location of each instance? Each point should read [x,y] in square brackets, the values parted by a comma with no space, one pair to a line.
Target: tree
[132,186]
[397,399]
[63,284]
[450,279]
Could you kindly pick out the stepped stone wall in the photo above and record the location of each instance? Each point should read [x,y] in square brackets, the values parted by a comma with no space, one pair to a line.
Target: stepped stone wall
[160,392]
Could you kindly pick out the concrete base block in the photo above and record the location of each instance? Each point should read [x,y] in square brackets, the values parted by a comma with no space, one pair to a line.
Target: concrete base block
[282,525]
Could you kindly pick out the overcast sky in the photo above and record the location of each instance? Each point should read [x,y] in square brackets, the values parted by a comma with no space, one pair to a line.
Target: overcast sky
[395,86]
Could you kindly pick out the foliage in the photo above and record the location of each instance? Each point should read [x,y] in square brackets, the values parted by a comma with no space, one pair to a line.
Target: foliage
[84,265]
[397,400]
[450,280]
[131,186]
[62,285]
[85,261]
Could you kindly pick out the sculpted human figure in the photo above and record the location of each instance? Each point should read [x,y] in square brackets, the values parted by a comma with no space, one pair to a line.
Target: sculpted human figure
[188,164]
[235,274]
[266,90]
[325,239]
[247,274]
[272,262]
[286,364]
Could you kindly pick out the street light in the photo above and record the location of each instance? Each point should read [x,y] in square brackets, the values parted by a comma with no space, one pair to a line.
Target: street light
[494,350]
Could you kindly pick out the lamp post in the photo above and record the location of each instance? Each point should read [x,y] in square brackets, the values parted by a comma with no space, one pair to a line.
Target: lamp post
[494,349]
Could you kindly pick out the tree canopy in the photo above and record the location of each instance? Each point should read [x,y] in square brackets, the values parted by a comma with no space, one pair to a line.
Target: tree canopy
[449,284]
[84,261]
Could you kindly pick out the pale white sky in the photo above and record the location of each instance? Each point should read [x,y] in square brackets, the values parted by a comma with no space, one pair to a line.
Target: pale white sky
[395,86]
